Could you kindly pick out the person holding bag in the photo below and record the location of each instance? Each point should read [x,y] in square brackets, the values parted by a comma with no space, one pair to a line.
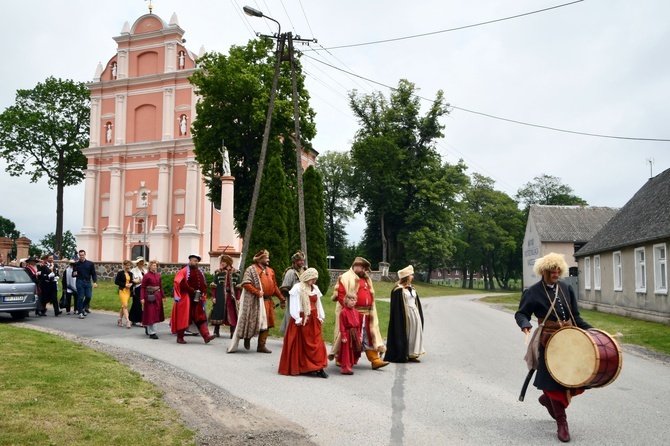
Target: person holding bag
[152,298]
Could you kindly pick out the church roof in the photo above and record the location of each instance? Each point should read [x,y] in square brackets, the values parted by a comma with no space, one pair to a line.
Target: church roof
[645,218]
[569,223]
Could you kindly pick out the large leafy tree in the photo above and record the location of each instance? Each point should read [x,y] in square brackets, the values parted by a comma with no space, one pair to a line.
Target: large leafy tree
[549,190]
[235,94]
[395,164]
[8,228]
[336,171]
[42,135]
[316,234]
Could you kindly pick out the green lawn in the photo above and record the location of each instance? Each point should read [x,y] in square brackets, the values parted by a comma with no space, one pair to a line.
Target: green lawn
[56,392]
[652,335]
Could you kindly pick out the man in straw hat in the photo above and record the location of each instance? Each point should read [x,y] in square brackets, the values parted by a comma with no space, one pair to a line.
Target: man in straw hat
[290,278]
[554,303]
[257,312]
[190,290]
[356,282]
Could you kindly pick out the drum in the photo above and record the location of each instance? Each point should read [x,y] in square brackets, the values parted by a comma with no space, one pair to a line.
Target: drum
[579,358]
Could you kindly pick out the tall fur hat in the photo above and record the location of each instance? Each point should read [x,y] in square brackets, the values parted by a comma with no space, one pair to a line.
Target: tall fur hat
[308,274]
[261,254]
[297,256]
[361,262]
[226,258]
[407,271]
[549,262]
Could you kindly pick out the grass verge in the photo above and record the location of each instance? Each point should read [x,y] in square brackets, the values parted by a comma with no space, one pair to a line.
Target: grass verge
[651,335]
[57,392]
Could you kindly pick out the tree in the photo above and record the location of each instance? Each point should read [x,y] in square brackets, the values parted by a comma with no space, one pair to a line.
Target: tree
[336,171]
[394,158]
[316,234]
[270,231]
[8,228]
[42,135]
[68,245]
[235,92]
[548,190]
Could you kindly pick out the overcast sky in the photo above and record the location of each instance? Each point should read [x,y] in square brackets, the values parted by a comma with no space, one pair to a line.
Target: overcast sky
[596,66]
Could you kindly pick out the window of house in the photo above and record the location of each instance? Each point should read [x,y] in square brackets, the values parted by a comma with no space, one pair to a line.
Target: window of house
[640,271]
[587,273]
[596,272]
[618,271]
[660,269]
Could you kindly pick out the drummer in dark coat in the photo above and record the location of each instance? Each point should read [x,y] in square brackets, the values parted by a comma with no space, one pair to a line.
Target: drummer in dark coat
[538,300]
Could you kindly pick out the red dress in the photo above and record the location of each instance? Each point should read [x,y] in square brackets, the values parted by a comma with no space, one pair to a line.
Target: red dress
[304,350]
[349,326]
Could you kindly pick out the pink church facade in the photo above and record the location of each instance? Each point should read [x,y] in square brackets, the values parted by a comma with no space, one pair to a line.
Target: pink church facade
[142,181]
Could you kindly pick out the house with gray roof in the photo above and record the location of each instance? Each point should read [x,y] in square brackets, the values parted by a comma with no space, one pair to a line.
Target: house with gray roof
[560,229]
[624,267]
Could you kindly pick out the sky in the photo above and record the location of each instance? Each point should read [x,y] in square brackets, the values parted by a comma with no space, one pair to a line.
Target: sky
[594,66]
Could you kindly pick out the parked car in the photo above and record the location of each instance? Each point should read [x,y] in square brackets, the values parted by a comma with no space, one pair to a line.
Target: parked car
[17,292]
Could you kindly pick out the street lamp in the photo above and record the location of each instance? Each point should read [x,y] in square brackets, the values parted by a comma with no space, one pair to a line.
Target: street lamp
[251,12]
[329,259]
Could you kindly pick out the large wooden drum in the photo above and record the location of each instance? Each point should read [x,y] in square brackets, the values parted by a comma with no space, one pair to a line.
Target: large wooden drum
[580,358]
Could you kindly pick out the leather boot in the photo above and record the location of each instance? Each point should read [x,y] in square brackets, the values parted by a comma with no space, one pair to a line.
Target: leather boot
[247,343]
[216,330]
[204,332]
[180,337]
[546,402]
[373,357]
[232,331]
[262,337]
[561,421]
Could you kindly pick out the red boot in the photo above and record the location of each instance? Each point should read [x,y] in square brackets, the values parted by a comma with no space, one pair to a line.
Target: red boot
[561,421]
[180,337]
[546,402]
[204,332]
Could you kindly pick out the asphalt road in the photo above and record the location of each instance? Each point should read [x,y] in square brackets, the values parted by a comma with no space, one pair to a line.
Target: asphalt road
[464,392]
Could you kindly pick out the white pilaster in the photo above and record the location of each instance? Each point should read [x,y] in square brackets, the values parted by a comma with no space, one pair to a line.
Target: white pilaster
[227,236]
[168,113]
[94,135]
[120,121]
[115,210]
[170,57]
[190,236]
[122,64]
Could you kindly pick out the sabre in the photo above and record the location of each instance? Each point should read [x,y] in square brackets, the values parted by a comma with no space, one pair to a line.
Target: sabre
[522,395]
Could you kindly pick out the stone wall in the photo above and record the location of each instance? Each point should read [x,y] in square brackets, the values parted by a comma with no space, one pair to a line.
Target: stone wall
[107,271]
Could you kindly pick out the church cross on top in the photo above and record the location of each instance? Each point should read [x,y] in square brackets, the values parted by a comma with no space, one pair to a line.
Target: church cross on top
[151,6]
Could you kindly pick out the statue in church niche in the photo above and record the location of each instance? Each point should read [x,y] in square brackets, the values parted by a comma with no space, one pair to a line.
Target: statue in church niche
[114,67]
[182,59]
[108,132]
[182,125]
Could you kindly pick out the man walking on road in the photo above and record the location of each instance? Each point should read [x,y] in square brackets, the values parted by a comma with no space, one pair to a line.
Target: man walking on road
[87,279]
[190,291]
[356,282]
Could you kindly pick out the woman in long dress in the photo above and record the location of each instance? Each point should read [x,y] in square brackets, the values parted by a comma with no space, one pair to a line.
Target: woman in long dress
[124,280]
[136,307]
[304,350]
[153,312]
[404,342]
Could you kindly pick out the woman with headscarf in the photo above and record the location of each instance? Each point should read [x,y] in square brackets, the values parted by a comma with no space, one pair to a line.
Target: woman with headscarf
[304,350]
[404,342]
[136,308]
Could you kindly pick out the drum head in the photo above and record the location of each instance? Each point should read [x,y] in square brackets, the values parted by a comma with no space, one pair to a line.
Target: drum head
[571,357]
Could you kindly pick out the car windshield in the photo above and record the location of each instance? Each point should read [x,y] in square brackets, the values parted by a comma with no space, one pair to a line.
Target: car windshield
[14,275]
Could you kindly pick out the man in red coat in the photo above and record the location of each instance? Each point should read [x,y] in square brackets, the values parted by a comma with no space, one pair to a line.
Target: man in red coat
[190,291]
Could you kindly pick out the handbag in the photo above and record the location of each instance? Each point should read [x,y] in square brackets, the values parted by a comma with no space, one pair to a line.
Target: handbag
[150,297]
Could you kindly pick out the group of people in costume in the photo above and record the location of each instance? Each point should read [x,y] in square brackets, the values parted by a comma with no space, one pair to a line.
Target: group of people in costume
[246,305]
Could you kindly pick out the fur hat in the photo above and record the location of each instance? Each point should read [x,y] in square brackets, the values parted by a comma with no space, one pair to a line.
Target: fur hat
[407,271]
[196,256]
[308,274]
[297,256]
[361,262]
[261,254]
[549,262]
[226,258]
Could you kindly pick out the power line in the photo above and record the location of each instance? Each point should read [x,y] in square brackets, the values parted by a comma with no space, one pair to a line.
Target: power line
[375,42]
[556,129]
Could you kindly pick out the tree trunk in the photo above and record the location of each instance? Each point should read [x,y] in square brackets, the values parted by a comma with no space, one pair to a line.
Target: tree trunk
[58,242]
[464,275]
